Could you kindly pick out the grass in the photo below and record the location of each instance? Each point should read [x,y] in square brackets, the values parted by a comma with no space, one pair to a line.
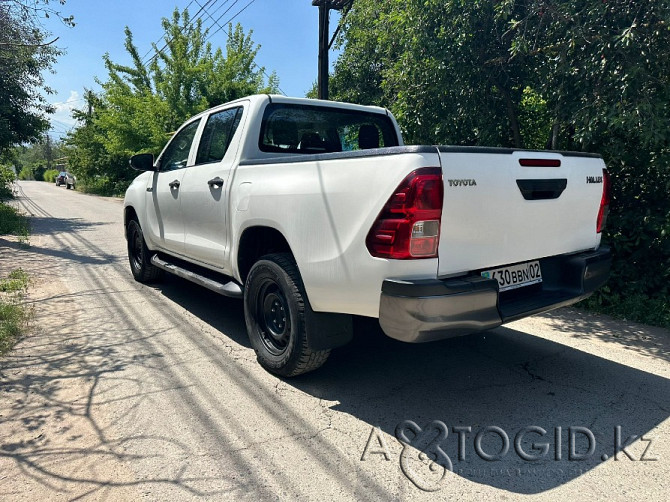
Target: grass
[14,315]
[13,223]
[637,308]
[15,282]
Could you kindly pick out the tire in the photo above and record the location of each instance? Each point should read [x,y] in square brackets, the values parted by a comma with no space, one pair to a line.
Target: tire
[275,314]
[68,186]
[139,256]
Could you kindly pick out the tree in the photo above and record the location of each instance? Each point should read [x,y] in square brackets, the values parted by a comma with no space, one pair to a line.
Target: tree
[141,104]
[24,55]
[443,67]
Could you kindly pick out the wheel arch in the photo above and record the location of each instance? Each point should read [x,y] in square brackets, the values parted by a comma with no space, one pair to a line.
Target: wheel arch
[257,241]
[129,213]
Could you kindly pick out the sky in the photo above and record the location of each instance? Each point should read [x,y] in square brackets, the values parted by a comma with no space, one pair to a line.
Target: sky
[287,31]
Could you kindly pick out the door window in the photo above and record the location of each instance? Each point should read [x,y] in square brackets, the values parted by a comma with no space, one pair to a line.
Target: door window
[218,133]
[176,154]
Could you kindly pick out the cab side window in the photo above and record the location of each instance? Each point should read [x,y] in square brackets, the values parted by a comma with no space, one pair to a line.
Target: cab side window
[217,135]
[176,154]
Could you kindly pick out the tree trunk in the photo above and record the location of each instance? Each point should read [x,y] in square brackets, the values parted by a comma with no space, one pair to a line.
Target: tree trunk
[554,135]
[511,115]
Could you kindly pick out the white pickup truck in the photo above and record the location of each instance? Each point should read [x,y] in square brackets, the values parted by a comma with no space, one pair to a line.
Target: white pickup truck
[314,211]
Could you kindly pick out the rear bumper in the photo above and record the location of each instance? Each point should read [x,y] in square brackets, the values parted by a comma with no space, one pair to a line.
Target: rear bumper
[433,309]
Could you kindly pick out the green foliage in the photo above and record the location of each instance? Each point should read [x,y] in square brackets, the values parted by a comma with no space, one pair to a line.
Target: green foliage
[50,175]
[32,172]
[442,68]
[14,315]
[636,307]
[7,178]
[44,151]
[13,223]
[25,53]
[17,280]
[26,173]
[574,75]
[534,119]
[141,105]
[103,185]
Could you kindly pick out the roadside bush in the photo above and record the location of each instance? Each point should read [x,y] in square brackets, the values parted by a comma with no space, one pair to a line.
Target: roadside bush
[12,222]
[34,172]
[14,315]
[7,177]
[38,172]
[26,173]
[104,186]
[637,308]
[50,175]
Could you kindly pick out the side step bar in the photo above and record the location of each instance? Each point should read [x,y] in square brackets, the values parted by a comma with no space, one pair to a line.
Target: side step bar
[231,288]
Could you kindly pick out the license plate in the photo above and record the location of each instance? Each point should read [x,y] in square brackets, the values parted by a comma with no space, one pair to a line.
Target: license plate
[515,276]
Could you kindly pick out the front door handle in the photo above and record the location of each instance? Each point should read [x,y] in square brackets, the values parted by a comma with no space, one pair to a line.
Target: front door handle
[215,182]
[174,184]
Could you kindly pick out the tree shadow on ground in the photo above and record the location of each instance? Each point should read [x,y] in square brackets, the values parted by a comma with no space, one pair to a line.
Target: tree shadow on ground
[504,378]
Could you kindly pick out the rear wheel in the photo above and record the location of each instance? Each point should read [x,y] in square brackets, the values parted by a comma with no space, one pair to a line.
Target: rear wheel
[275,314]
[140,256]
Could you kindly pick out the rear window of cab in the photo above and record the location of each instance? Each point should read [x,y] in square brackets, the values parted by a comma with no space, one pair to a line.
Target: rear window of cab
[288,128]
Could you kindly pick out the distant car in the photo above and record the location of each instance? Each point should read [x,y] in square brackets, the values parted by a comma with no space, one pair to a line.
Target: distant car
[67,179]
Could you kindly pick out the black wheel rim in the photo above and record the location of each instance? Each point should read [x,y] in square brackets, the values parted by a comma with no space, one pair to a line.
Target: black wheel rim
[273,317]
[135,249]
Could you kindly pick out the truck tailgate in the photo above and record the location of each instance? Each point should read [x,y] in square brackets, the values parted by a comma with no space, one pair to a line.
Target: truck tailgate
[508,206]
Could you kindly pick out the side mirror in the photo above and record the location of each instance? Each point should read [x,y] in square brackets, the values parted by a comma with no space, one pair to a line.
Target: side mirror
[142,162]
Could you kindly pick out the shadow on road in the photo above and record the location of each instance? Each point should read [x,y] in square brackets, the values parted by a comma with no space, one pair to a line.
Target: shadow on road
[505,378]
[61,257]
[221,313]
[645,340]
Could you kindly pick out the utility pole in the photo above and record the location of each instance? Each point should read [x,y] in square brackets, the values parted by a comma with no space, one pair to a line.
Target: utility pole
[325,6]
[48,151]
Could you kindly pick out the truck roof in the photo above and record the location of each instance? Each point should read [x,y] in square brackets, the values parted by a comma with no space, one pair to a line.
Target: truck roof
[259,99]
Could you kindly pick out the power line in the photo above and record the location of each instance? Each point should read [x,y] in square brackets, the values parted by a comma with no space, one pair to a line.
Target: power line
[220,7]
[181,30]
[228,34]
[230,20]
[222,14]
[151,46]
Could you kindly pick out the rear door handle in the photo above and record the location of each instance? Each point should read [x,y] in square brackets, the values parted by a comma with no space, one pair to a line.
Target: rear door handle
[215,182]
[174,184]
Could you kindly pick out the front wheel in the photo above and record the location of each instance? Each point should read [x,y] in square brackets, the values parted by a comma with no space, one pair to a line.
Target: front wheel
[140,256]
[275,314]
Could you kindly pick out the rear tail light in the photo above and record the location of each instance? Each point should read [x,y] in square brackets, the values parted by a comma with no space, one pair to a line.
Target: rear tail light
[604,202]
[408,226]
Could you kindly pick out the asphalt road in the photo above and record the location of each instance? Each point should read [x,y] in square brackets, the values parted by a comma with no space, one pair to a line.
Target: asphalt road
[125,391]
